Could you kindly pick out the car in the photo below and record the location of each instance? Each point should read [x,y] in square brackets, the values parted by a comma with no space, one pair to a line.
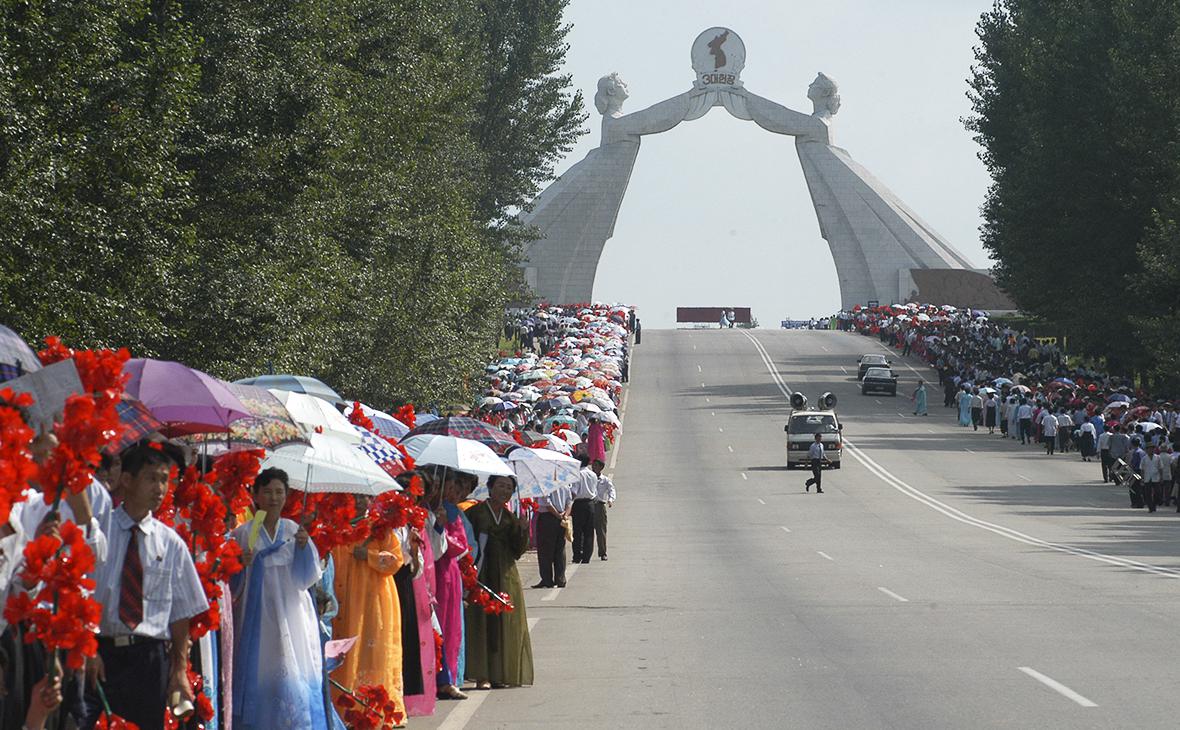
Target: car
[801,428]
[881,380]
[871,360]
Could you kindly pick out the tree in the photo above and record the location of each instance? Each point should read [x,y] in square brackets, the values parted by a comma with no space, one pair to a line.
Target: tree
[1073,137]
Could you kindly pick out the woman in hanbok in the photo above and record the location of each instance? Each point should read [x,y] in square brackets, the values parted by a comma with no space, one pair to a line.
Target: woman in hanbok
[418,649]
[370,611]
[964,403]
[277,681]
[499,651]
[919,399]
[449,598]
[991,409]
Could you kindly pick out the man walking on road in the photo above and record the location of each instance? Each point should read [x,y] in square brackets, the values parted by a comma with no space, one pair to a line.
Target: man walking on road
[603,499]
[816,455]
[585,489]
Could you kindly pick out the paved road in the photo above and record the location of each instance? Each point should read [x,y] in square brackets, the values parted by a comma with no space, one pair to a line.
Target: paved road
[945,578]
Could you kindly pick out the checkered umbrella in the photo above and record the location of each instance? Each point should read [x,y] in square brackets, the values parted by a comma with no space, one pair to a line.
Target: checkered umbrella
[467,428]
[16,357]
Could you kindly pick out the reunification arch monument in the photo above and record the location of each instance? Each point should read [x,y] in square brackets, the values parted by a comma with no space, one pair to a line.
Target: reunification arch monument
[880,246]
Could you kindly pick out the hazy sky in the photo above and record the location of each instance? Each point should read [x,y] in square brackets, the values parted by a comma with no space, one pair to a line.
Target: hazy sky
[717,212]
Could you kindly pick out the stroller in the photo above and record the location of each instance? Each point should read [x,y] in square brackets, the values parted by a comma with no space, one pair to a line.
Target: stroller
[1124,475]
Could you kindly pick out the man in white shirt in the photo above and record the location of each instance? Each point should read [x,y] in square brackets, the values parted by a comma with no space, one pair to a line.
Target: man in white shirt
[603,499]
[1064,430]
[552,511]
[1048,430]
[815,453]
[1152,477]
[585,489]
[1024,420]
[149,590]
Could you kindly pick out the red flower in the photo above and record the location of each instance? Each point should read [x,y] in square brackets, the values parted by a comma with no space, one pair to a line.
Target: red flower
[406,415]
[477,595]
[61,615]
[369,707]
[114,722]
[16,462]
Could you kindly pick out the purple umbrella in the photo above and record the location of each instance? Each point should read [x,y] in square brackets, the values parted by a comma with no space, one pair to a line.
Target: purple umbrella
[187,401]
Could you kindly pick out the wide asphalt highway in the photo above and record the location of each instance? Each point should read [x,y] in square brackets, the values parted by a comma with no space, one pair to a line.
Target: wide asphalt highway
[945,579]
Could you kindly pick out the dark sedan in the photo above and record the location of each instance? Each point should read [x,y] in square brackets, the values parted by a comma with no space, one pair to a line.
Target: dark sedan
[871,360]
[880,380]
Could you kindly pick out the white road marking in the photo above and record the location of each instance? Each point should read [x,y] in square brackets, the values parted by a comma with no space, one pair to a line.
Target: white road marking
[730,449]
[892,595]
[930,430]
[1057,687]
[712,413]
[694,347]
[844,369]
[555,592]
[745,477]
[902,414]
[761,502]
[919,496]
[458,717]
[720,430]
[1024,477]
[708,400]
[784,528]
[969,451]
[824,348]
[825,556]
[879,402]
[699,369]
[533,622]
[702,385]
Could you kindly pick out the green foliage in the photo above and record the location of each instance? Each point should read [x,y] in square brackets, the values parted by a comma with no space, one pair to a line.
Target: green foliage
[322,187]
[1076,107]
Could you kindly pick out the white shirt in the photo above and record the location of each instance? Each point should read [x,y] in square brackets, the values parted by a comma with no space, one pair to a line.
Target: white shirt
[1103,439]
[816,451]
[171,587]
[1064,420]
[1048,424]
[586,487]
[11,550]
[1023,412]
[100,507]
[605,490]
[559,499]
[1152,468]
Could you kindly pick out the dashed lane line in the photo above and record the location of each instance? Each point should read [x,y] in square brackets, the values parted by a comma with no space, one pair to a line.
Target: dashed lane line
[1057,687]
[893,595]
[825,556]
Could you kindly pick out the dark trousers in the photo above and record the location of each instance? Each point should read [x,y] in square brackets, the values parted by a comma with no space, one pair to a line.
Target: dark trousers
[1026,430]
[600,527]
[1151,491]
[550,548]
[136,686]
[583,514]
[1107,462]
[976,418]
[817,473]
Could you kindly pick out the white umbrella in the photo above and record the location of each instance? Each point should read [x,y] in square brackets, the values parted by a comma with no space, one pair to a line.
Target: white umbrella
[588,407]
[385,424]
[539,472]
[558,444]
[317,415]
[329,464]
[606,417]
[463,455]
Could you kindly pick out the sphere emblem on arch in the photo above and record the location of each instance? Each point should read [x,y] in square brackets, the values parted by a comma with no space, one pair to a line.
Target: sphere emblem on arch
[718,57]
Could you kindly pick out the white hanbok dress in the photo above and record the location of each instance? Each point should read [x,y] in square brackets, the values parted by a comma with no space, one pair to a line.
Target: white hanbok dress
[278,671]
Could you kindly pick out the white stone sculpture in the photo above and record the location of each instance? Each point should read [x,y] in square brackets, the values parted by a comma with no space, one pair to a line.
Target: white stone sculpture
[874,237]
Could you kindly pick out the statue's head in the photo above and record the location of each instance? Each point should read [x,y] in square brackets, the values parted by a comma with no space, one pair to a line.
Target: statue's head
[612,92]
[824,95]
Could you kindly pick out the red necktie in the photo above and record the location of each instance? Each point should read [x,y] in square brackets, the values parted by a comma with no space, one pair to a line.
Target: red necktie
[131,585]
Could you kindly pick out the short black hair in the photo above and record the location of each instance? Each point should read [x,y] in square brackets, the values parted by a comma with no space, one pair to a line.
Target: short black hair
[584,460]
[143,455]
[266,476]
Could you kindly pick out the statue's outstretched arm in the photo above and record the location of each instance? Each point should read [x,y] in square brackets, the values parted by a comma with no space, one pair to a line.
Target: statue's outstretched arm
[779,119]
[656,118]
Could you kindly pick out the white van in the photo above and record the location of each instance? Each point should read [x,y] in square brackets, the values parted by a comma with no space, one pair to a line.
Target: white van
[801,428]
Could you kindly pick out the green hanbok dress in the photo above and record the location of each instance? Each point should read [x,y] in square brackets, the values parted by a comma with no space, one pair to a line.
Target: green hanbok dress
[498,647]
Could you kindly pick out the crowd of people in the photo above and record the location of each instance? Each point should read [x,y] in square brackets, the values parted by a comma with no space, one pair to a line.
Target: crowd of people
[153,576]
[1027,389]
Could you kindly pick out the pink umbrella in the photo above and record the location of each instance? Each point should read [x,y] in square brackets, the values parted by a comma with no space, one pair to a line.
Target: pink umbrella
[187,401]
